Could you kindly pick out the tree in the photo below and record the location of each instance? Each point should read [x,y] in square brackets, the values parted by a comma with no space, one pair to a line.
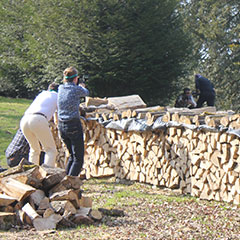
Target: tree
[136,47]
[127,47]
[215,28]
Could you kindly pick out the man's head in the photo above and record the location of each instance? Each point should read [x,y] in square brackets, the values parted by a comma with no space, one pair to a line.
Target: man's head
[187,91]
[197,76]
[70,74]
[53,87]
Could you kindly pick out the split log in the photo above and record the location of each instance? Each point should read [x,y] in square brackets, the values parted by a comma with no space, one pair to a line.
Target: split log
[28,209]
[17,169]
[15,189]
[31,177]
[112,212]
[63,207]
[51,176]
[95,101]
[44,204]
[37,196]
[85,202]
[6,200]
[68,182]
[79,219]
[225,121]
[82,216]
[95,214]
[47,223]
[127,102]
[48,212]
[23,218]
[69,194]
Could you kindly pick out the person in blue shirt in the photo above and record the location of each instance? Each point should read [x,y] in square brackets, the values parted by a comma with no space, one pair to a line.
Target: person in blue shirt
[69,124]
[205,89]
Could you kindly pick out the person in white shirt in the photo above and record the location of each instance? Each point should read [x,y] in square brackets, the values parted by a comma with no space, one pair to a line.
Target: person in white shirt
[35,127]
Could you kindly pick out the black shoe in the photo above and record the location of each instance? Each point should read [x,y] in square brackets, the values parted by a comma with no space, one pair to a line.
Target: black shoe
[2,169]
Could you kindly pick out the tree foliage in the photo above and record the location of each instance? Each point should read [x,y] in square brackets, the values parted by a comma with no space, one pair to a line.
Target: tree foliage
[127,47]
[215,29]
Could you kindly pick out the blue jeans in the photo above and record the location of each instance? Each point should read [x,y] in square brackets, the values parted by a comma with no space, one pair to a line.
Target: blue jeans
[72,135]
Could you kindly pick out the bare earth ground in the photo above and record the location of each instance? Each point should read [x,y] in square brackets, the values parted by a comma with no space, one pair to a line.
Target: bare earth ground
[150,213]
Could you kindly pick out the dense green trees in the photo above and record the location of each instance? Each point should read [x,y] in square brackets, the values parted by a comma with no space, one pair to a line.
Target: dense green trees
[215,28]
[127,47]
[146,47]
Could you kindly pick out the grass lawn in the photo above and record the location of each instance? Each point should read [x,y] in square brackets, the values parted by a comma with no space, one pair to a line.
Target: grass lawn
[11,111]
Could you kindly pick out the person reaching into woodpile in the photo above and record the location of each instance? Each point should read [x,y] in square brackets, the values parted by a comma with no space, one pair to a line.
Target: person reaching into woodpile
[35,126]
[185,100]
[69,125]
[205,89]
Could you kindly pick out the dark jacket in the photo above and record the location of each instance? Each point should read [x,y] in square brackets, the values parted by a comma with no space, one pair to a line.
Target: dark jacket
[204,85]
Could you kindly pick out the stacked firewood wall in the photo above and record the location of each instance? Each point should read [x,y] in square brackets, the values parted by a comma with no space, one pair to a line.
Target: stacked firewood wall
[205,164]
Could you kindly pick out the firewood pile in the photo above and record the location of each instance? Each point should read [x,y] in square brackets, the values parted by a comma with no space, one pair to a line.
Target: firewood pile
[197,151]
[44,198]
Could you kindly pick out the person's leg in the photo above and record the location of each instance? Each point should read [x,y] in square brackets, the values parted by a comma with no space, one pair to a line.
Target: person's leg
[210,100]
[62,127]
[31,138]
[43,133]
[77,150]
[68,144]
[200,101]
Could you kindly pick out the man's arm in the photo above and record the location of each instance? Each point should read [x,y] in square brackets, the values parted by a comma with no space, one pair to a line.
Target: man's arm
[191,101]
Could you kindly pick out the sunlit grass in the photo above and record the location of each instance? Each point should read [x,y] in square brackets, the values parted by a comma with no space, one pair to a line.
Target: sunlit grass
[11,111]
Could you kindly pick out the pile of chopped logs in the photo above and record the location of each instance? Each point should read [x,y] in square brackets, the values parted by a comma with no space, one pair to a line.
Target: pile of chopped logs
[43,197]
[203,162]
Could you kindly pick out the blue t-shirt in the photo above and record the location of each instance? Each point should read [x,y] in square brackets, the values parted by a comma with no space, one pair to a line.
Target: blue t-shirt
[69,97]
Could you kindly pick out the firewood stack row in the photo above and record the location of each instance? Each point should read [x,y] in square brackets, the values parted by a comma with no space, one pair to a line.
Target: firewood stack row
[44,198]
[203,162]
[210,164]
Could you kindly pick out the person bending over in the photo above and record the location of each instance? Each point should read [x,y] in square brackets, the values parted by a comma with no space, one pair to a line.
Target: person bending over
[35,126]
[206,91]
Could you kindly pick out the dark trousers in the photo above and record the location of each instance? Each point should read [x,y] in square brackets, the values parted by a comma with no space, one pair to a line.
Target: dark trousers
[72,135]
[206,97]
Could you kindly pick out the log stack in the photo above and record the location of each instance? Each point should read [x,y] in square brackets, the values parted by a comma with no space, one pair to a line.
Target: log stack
[195,161]
[202,160]
[43,198]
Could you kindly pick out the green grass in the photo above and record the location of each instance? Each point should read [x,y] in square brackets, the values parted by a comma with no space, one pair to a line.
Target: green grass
[11,111]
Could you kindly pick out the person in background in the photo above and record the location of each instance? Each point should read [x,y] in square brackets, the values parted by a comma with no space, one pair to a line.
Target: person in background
[69,124]
[205,89]
[18,150]
[185,100]
[35,126]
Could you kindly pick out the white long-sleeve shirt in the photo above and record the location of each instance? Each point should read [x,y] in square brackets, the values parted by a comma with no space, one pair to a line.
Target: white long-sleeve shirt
[45,103]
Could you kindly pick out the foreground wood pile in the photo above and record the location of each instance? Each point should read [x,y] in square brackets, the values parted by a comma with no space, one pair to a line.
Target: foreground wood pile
[44,198]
